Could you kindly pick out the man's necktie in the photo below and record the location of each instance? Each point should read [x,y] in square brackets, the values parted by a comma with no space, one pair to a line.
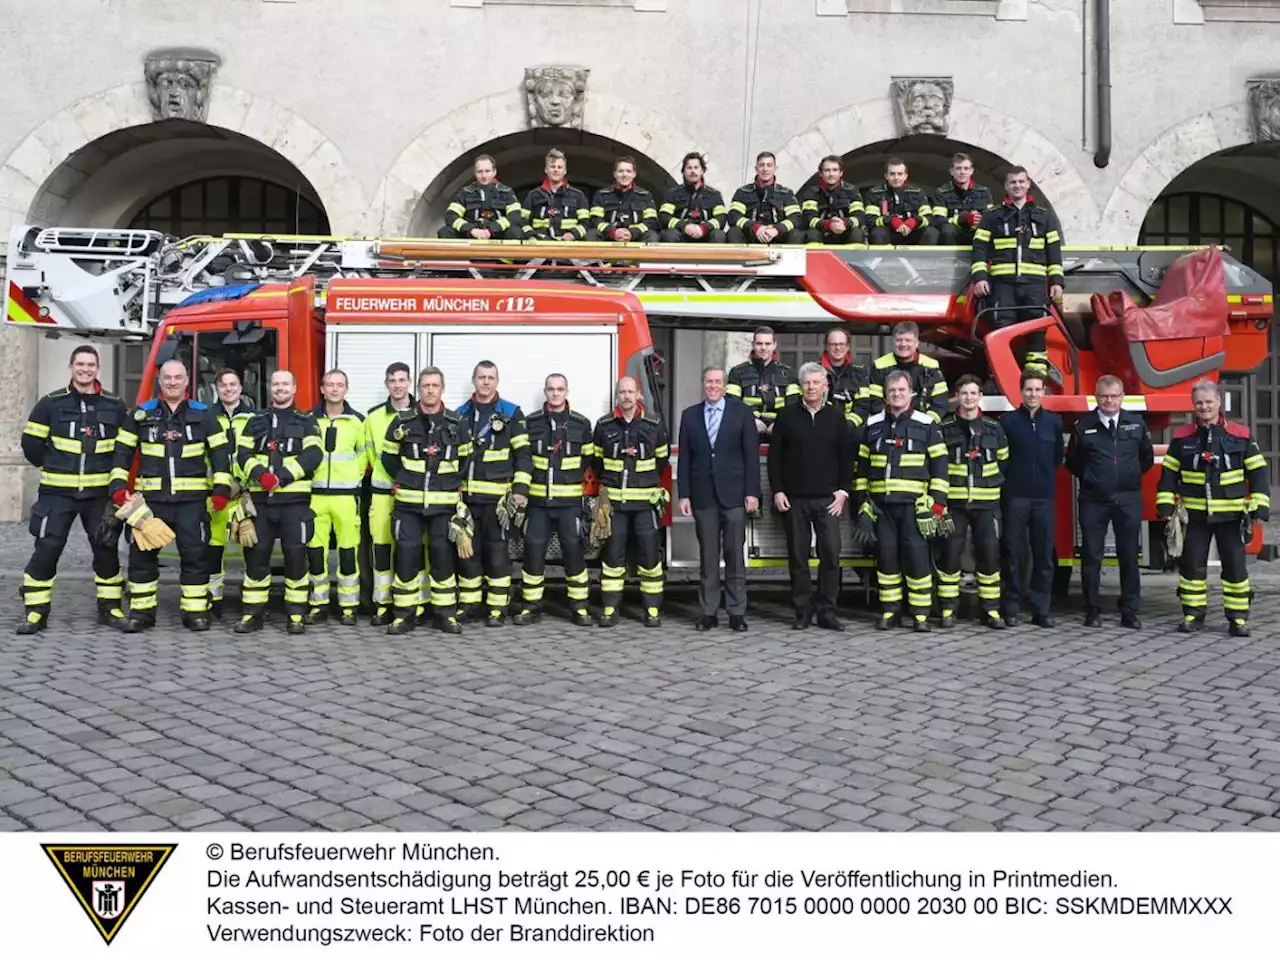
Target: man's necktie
[713,423]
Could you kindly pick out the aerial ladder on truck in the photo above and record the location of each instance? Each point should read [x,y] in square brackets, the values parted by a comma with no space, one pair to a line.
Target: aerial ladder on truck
[133,284]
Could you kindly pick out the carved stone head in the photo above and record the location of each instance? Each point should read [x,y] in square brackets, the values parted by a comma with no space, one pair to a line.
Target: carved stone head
[1264,109]
[923,104]
[178,83]
[556,95]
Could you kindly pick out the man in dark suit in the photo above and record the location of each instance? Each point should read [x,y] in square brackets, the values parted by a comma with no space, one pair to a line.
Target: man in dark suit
[719,482]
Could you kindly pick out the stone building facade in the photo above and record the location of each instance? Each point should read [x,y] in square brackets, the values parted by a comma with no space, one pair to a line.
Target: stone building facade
[361,119]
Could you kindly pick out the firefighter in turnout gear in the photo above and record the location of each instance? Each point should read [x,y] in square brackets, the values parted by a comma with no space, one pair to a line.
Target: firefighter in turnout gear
[561,446]
[484,209]
[976,455]
[1017,248]
[376,422]
[960,203]
[426,452]
[764,211]
[180,447]
[847,382]
[233,410]
[500,465]
[928,388]
[764,384]
[1214,468]
[631,453]
[624,212]
[279,451]
[71,435]
[830,208]
[898,213]
[693,212]
[902,480]
[335,500]
[556,210]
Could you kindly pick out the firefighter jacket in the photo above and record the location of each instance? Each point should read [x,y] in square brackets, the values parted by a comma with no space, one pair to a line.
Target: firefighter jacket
[847,387]
[71,437]
[889,207]
[900,458]
[346,452]
[1110,466]
[1217,472]
[500,458]
[561,449]
[232,423]
[180,451]
[285,442]
[630,456]
[550,214]
[764,387]
[951,200]
[492,206]
[1017,244]
[633,208]
[927,385]
[376,421]
[686,204]
[977,451]
[759,204]
[818,204]
[427,455]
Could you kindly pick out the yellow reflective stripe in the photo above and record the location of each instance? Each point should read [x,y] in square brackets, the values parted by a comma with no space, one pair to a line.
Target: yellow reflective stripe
[1036,243]
[1170,462]
[486,487]
[613,465]
[193,450]
[1196,477]
[982,234]
[1053,236]
[65,444]
[492,455]
[1255,462]
[1230,477]
[911,460]
[153,449]
[74,479]
[38,430]
[1005,243]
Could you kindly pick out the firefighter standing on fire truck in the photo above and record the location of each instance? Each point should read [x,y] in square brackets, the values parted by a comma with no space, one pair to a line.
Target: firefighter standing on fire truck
[279,451]
[484,209]
[556,210]
[376,422]
[181,448]
[928,387]
[561,446]
[1017,248]
[1214,469]
[764,384]
[496,490]
[960,203]
[624,212]
[233,411]
[693,212]
[631,453]
[71,435]
[764,211]
[832,209]
[898,213]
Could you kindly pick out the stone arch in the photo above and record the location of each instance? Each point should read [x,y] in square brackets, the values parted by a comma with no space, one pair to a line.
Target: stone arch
[872,121]
[45,170]
[640,128]
[1163,160]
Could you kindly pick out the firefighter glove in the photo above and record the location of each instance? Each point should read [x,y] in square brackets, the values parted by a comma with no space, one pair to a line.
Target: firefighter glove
[149,531]
[269,481]
[120,496]
[108,532]
[925,518]
[1246,528]
[218,502]
[942,517]
[864,525]
[461,531]
[601,519]
[243,530]
[1175,532]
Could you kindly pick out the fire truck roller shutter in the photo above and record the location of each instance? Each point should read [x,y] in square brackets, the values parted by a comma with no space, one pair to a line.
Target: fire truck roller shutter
[364,356]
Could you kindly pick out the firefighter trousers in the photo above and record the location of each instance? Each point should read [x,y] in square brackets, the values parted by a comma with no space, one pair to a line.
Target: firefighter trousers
[852,234]
[983,523]
[338,514]
[51,520]
[921,237]
[219,525]
[739,235]
[489,567]
[902,557]
[638,522]
[380,508]
[565,521]
[1193,585]
[410,526]
[293,524]
[1017,301]
[189,520]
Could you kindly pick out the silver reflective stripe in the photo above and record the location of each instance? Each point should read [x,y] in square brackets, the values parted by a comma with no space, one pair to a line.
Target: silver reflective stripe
[340,457]
[379,484]
[337,485]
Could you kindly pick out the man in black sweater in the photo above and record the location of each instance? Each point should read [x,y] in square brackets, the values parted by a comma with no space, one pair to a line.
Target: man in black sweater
[811,475]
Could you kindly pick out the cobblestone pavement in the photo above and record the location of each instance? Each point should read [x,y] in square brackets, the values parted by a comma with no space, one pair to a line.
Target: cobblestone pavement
[558,727]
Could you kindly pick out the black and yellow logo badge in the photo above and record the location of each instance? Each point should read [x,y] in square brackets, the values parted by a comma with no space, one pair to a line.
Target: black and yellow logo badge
[108,879]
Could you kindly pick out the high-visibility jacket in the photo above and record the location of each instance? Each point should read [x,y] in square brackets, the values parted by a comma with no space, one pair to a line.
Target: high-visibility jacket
[887,206]
[764,387]
[345,448]
[820,204]
[71,437]
[701,205]
[633,208]
[1217,472]
[562,449]
[977,451]
[846,387]
[759,204]
[285,442]
[427,454]
[500,458]
[491,206]
[550,214]
[1015,243]
[184,454]
[231,424]
[376,421]
[900,458]
[927,385]
[951,200]
[630,456]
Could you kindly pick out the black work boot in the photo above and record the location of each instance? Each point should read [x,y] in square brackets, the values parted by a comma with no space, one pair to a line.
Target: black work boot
[582,617]
[316,615]
[1191,625]
[197,622]
[404,622]
[249,623]
[1239,628]
[115,618]
[531,613]
[34,623]
[448,623]
[215,610]
[348,617]
[140,622]
[381,616]
[296,625]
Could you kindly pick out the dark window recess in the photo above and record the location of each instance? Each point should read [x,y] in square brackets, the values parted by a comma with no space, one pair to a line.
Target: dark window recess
[220,205]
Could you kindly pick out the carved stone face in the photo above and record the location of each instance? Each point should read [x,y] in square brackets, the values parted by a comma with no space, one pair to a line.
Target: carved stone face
[927,108]
[176,95]
[555,95]
[553,99]
[178,83]
[1264,109]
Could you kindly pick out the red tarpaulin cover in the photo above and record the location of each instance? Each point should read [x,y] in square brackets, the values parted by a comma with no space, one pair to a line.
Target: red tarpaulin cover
[1191,302]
